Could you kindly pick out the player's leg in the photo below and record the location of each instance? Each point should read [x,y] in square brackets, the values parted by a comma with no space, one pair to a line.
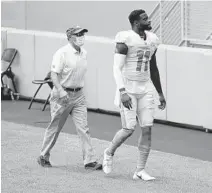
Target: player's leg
[79,116]
[128,119]
[59,114]
[145,117]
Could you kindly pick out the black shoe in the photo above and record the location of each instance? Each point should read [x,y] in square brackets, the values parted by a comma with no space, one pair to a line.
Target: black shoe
[44,163]
[93,166]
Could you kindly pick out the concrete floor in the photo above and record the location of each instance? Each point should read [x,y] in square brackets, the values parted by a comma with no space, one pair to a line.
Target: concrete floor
[186,142]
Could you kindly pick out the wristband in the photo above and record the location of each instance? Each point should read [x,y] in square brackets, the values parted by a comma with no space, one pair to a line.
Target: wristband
[122,91]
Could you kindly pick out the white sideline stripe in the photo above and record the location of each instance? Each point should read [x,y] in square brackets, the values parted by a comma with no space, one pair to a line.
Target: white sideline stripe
[98,39]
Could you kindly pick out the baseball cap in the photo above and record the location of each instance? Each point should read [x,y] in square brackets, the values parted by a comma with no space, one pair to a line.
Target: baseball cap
[74,30]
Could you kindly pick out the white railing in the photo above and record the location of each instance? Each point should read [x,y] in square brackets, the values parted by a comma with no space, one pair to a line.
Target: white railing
[170,21]
[159,19]
[156,19]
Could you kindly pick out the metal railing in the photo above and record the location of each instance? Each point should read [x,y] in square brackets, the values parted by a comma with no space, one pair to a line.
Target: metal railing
[156,19]
[160,15]
[170,21]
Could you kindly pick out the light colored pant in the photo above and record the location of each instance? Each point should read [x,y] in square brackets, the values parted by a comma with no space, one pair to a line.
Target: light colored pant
[143,107]
[59,113]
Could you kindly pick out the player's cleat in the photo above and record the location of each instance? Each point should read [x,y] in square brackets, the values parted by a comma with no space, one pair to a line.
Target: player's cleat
[107,163]
[44,163]
[142,175]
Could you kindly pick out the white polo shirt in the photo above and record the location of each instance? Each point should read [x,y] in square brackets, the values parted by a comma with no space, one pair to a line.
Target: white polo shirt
[70,65]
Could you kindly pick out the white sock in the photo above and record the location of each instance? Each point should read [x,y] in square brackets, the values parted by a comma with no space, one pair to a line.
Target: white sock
[118,139]
[142,157]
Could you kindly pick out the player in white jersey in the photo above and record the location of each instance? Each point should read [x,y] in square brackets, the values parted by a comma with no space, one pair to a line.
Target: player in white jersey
[136,74]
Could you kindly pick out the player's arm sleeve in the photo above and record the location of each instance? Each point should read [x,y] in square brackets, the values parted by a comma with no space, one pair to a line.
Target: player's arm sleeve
[57,62]
[119,59]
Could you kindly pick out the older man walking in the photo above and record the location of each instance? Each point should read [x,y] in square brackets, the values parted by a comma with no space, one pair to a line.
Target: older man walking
[68,69]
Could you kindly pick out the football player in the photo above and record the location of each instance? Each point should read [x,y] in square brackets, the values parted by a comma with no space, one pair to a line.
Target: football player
[136,74]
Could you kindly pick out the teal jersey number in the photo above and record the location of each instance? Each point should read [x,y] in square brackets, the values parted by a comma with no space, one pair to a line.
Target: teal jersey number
[143,59]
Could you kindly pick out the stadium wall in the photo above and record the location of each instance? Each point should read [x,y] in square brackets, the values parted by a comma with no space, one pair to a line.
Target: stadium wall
[185,74]
[102,18]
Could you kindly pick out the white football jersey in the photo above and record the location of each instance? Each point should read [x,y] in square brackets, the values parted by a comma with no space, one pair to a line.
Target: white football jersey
[136,70]
[139,54]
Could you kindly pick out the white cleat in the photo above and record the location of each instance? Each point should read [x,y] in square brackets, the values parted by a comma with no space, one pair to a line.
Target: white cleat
[142,175]
[107,163]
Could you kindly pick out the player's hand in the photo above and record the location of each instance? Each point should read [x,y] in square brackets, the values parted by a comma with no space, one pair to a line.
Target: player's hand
[126,100]
[162,100]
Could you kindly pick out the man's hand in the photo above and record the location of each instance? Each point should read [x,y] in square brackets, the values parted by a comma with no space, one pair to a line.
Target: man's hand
[162,100]
[126,100]
[64,96]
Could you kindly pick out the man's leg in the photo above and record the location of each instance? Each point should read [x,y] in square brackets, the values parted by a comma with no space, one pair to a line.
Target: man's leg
[79,116]
[145,117]
[128,119]
[59,114]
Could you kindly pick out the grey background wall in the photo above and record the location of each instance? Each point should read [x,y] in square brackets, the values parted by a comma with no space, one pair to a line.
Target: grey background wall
[103,18]
[188,97]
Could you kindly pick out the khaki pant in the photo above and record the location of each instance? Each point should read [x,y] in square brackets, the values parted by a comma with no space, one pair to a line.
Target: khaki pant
[59,113]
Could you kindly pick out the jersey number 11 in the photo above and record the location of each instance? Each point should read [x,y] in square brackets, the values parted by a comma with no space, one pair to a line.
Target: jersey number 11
[143,59]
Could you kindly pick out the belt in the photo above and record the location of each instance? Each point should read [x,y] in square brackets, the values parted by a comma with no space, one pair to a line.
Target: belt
[73,89]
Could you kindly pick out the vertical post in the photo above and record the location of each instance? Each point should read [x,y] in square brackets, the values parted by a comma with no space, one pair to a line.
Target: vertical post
[186,22]
[161,23]
[182,21]
[25,14]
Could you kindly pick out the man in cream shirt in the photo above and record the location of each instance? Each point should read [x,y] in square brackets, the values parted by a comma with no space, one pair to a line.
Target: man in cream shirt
[68,70]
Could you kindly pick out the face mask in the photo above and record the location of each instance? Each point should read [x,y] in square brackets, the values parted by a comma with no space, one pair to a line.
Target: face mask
[79,41]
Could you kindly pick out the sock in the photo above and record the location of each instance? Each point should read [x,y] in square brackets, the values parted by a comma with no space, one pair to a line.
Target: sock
[118,139]
[144,146]
[143,155]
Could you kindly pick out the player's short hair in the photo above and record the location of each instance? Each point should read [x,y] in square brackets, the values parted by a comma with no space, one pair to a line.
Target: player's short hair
[134,15]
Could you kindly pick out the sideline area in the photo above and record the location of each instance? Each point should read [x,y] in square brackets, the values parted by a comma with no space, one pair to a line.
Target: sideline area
[21,173]
[185,142]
